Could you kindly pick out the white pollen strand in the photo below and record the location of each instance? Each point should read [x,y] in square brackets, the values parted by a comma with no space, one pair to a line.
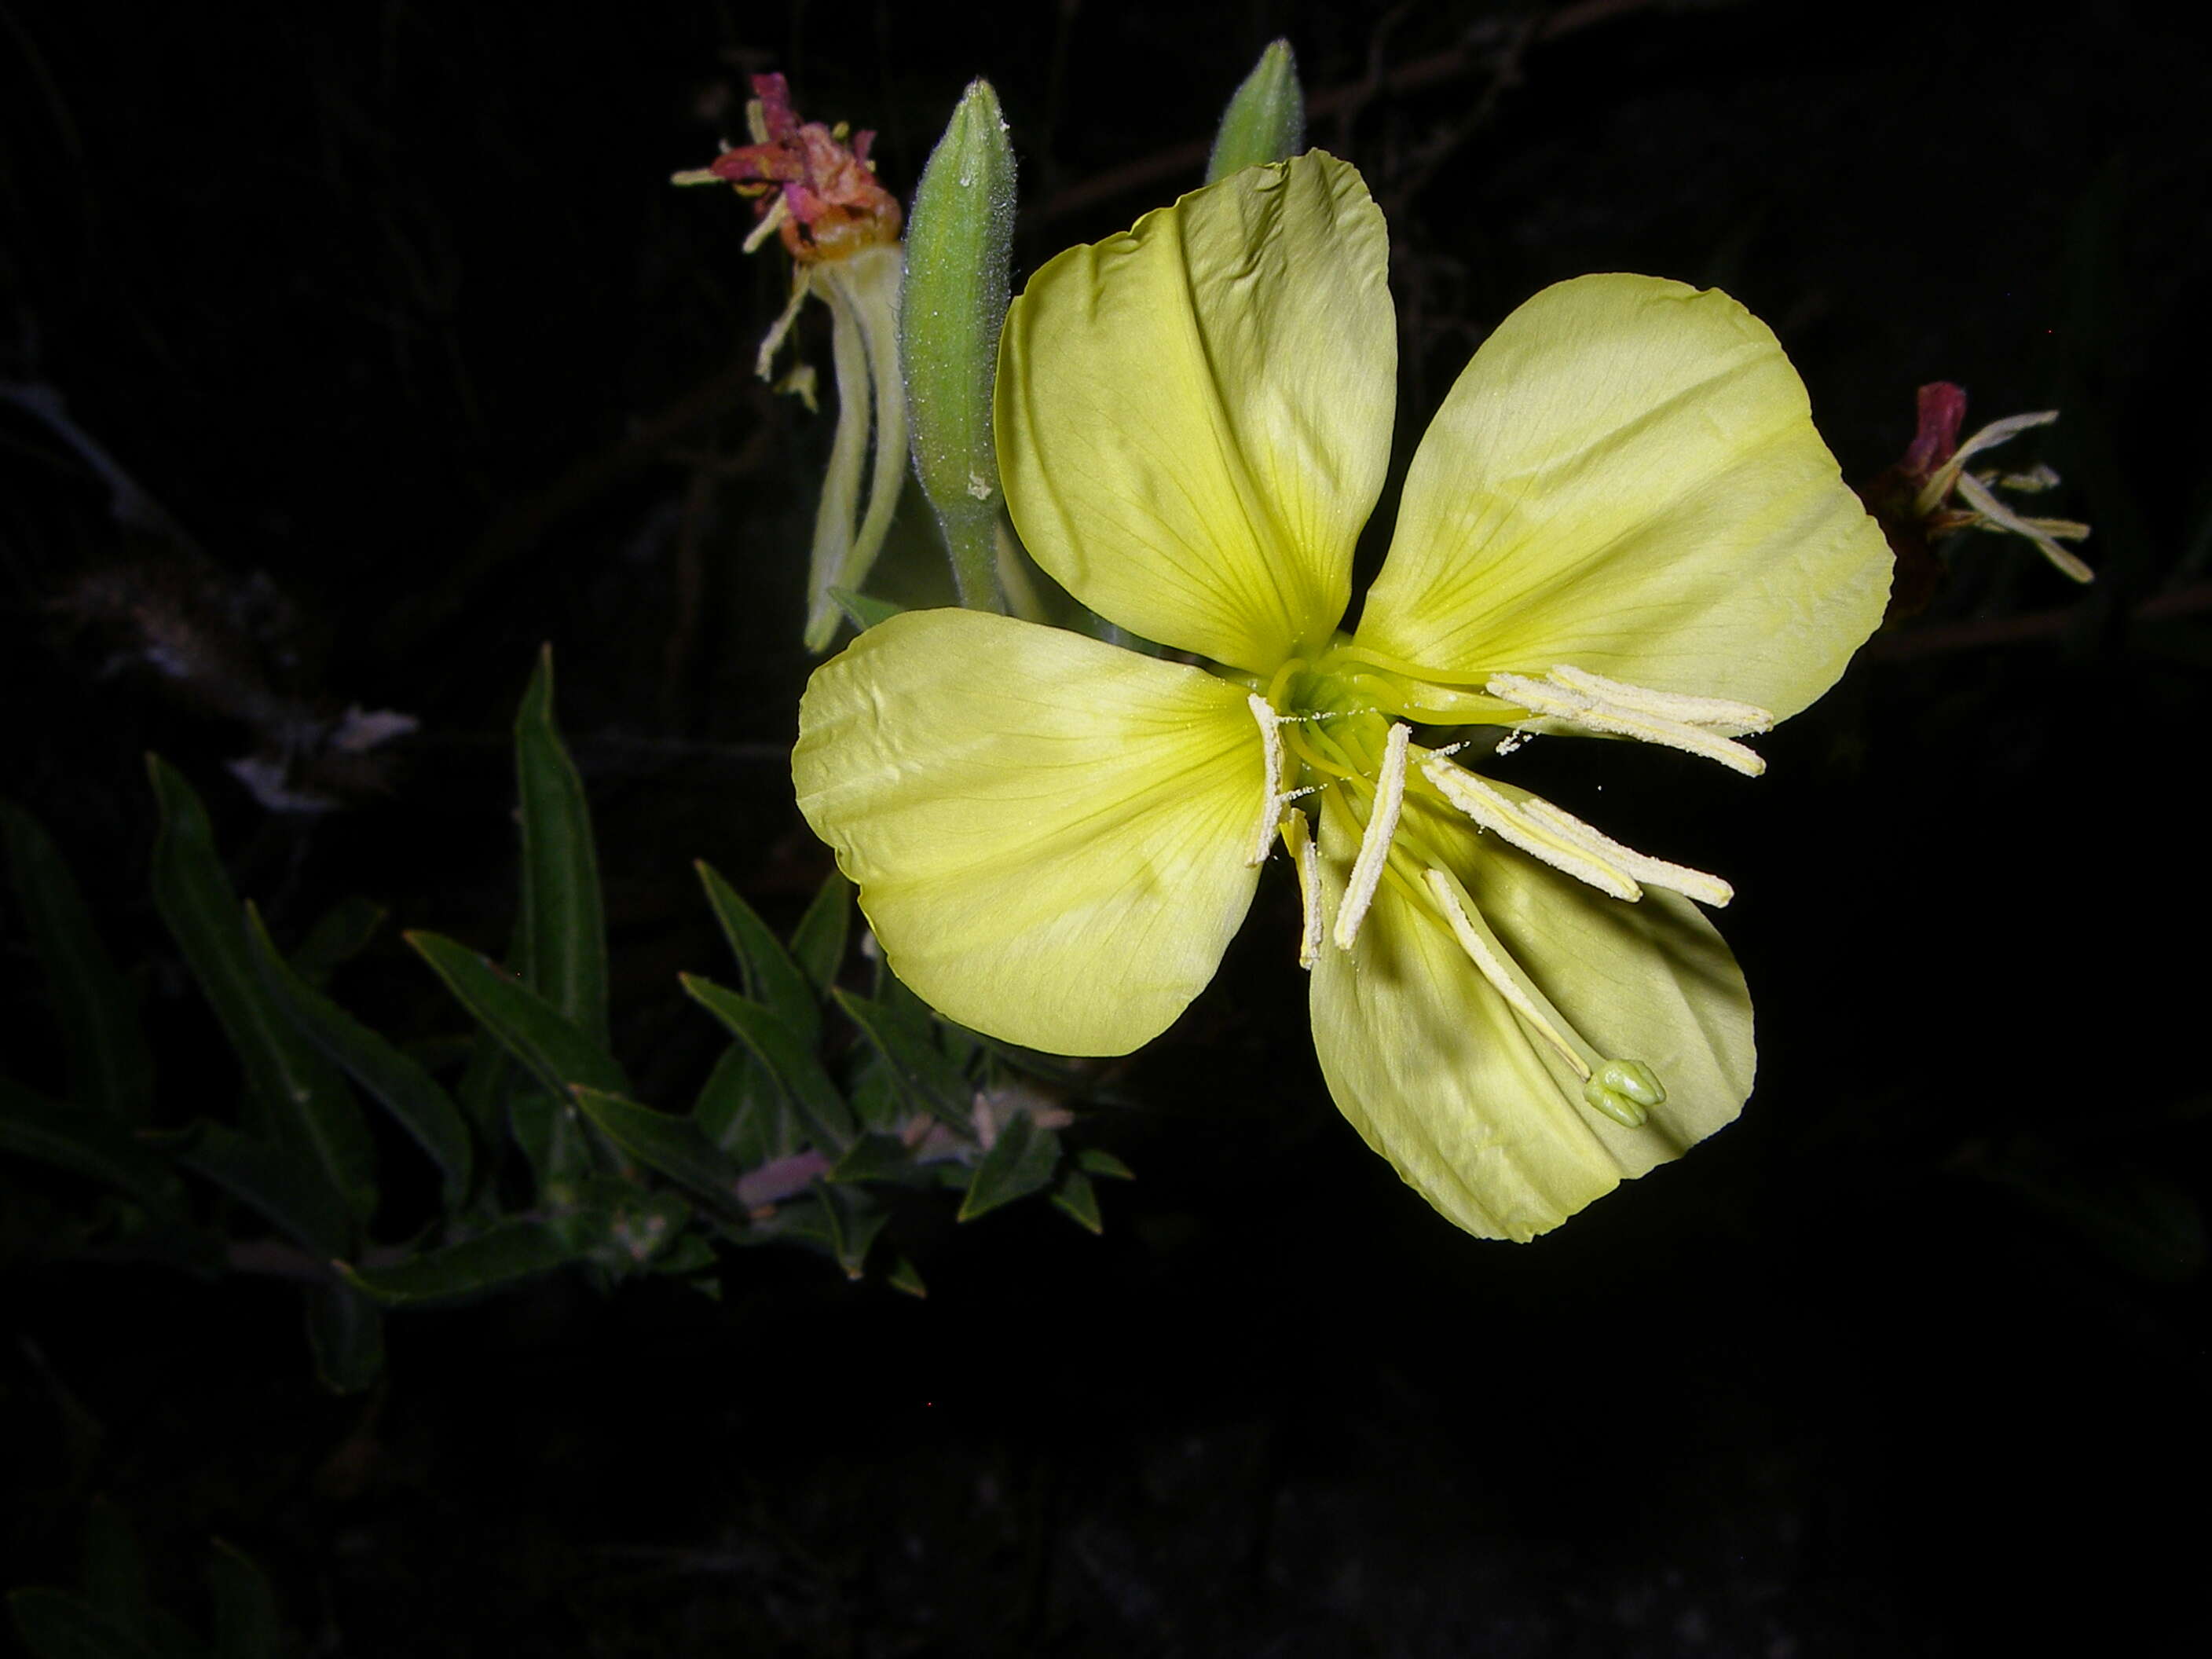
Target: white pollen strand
[1299,839]
[1493,966]
[1375,840]
[1583,709]
[1495,812]
[1737,717]
[1653,872]
[1271,749]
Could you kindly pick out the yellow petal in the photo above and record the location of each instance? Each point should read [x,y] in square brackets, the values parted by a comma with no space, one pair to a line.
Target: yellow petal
[1049,834]
[1440,1076]
[1193,418]
[1626,479]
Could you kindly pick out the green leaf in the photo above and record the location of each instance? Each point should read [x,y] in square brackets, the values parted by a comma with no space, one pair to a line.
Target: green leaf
[770,975]
[290,1192]
[246,1623]
[673,1145]
[1095,1160]
[1265,121]
[85,1142]
[906,1039]
[549,1046]
[565,960]
[340,933]
[413,1098]
[818,944]
[874,1158]
[863,610]
[689,1255]
[807,1088]
[302,1097]
[906,1277]
[109,1068]
[551,1132]
[1075,1198]
[1020,1162]
[346,1331]
[854,1219]
[56,1624]
[741,1110]
[502,1255]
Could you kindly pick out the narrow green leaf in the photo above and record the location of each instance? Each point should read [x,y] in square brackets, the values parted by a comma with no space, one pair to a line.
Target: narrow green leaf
[340,933]
[56,1624]
[551,1132]
[246,1623]
[689,1255]
[109,1068]
[1075,1198]
[818,944]
[874,1158]
[661,1141]
[1096,1160]
[86,1143]
[807,1088]
[864,610]
[346,1331]
[854,1220]
[410,1094]
[1020,1162]
[928,1078]
[286,1189]
[565,924]
[742,1111]
[302,1096]
[502,1255]
[549,1046]
[770,975]
[1265,121]
[905,1277]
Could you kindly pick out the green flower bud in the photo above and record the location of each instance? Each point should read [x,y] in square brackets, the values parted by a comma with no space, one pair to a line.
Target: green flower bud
[959,240]
[1266,121]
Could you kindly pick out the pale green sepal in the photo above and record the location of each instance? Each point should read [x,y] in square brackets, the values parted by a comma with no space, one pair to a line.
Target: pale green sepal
[1442,1078]
[959,241]
[1265,121]
[1194,418]
[1048,833]
[1626,479]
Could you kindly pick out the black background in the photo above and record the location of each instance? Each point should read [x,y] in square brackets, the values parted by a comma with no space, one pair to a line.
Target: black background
[392,309]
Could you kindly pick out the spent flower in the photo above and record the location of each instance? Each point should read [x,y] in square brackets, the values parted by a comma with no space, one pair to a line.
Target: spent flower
[1622,522]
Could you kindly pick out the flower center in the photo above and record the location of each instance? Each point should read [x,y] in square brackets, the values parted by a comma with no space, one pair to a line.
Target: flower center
[1338,731]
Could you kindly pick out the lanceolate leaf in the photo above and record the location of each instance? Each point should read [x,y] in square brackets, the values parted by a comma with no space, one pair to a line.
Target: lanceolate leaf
[346,1331]
[1020,1162]
[86,1143]
[926,1077]
[821,1109]
[552,1048]
[108,1065]
[340,933]
[741,1110]
[771,977]
[565,958]
[301,1095]
[512,1250]
[673,1145]
[818,944]
[410,1094]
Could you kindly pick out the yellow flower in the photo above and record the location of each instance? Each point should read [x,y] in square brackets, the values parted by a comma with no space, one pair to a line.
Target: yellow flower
[1621,521]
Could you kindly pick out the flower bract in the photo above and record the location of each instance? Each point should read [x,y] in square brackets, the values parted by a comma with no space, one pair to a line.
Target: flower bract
[1620,523]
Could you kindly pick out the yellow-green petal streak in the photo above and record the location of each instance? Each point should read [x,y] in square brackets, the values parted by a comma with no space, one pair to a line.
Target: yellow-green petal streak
[1193,418]
[1048,833]
[1627,478]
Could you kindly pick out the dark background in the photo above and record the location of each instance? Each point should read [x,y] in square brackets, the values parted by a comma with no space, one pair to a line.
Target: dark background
[392,310]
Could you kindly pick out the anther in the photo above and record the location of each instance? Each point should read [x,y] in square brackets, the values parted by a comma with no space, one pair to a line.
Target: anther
[1716,713]
[1271,750]
[1493,811]
[1375,840]
[1299,839]
[1491,961]
[1636,717]
[1639,867]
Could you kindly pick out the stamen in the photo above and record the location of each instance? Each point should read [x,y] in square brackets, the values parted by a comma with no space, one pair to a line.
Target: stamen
[1599,713]
[1375,840]
[801,286]
[1717,713]
[1271,748]
[1939,485]
[770,221]
[1494,810]
[1489,959]
[1299,839]
[2041,532]
[1640,867]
